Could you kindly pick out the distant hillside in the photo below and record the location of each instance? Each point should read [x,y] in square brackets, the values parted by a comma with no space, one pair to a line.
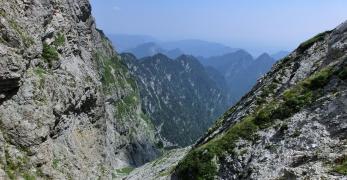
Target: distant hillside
[181,96]
[240,70]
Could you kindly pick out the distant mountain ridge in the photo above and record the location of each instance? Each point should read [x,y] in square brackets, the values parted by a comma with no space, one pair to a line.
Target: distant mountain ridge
[240,70]
[238,67]
[139,44]
[123,42]
[197,48]
[151,49]
[180,96]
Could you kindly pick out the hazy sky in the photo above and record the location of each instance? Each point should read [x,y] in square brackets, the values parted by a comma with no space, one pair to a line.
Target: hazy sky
[256,25]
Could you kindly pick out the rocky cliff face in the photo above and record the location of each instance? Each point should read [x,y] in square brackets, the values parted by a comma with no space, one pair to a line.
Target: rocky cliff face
[291,125]
[68,106]
[179,95]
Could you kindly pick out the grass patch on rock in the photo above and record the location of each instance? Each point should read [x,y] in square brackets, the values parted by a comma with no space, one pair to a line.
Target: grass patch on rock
[40,72]
[341,165]
[28,41]
[49,53]
[124,171]
[307,44]
[59,40]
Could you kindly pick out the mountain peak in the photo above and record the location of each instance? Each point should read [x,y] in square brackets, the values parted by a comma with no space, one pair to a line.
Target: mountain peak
[264,56]
[160,56]
[185,56]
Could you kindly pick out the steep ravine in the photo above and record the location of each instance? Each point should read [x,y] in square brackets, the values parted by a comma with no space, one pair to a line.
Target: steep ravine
[291,125]
[69,108]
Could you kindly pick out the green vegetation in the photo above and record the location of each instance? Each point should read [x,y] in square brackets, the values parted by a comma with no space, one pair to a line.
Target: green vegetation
[268,90]
[282,63]
[341,165]
[59,40]
[55,163]
[165,173]
[49,53]
[132,83]
[2,13]
[297,98]
[342,74]
[318,80]
[286,59]
[307,44]
[126,105]
[103,170]
[28,176]
[2,40]
[296,133]
[16,167]
[148,121]
[219,122]
[28,41]
[131,99]
[265,116]
[200,163]
[40,72]
[125,171]
[112,72]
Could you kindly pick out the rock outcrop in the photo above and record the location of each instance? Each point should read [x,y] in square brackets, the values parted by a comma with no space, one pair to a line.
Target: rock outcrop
[69,108]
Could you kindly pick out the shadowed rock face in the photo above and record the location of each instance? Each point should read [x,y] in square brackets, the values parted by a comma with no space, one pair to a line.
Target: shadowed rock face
[8,88]
[68,107]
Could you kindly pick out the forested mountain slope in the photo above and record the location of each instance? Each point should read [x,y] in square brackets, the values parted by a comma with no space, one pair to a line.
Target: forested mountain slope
[181,97]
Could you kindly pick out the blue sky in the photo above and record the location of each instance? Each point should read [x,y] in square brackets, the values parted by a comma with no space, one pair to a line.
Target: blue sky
[255,25]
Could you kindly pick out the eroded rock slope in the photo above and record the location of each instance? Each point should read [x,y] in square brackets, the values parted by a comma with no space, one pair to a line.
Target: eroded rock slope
[68,106]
